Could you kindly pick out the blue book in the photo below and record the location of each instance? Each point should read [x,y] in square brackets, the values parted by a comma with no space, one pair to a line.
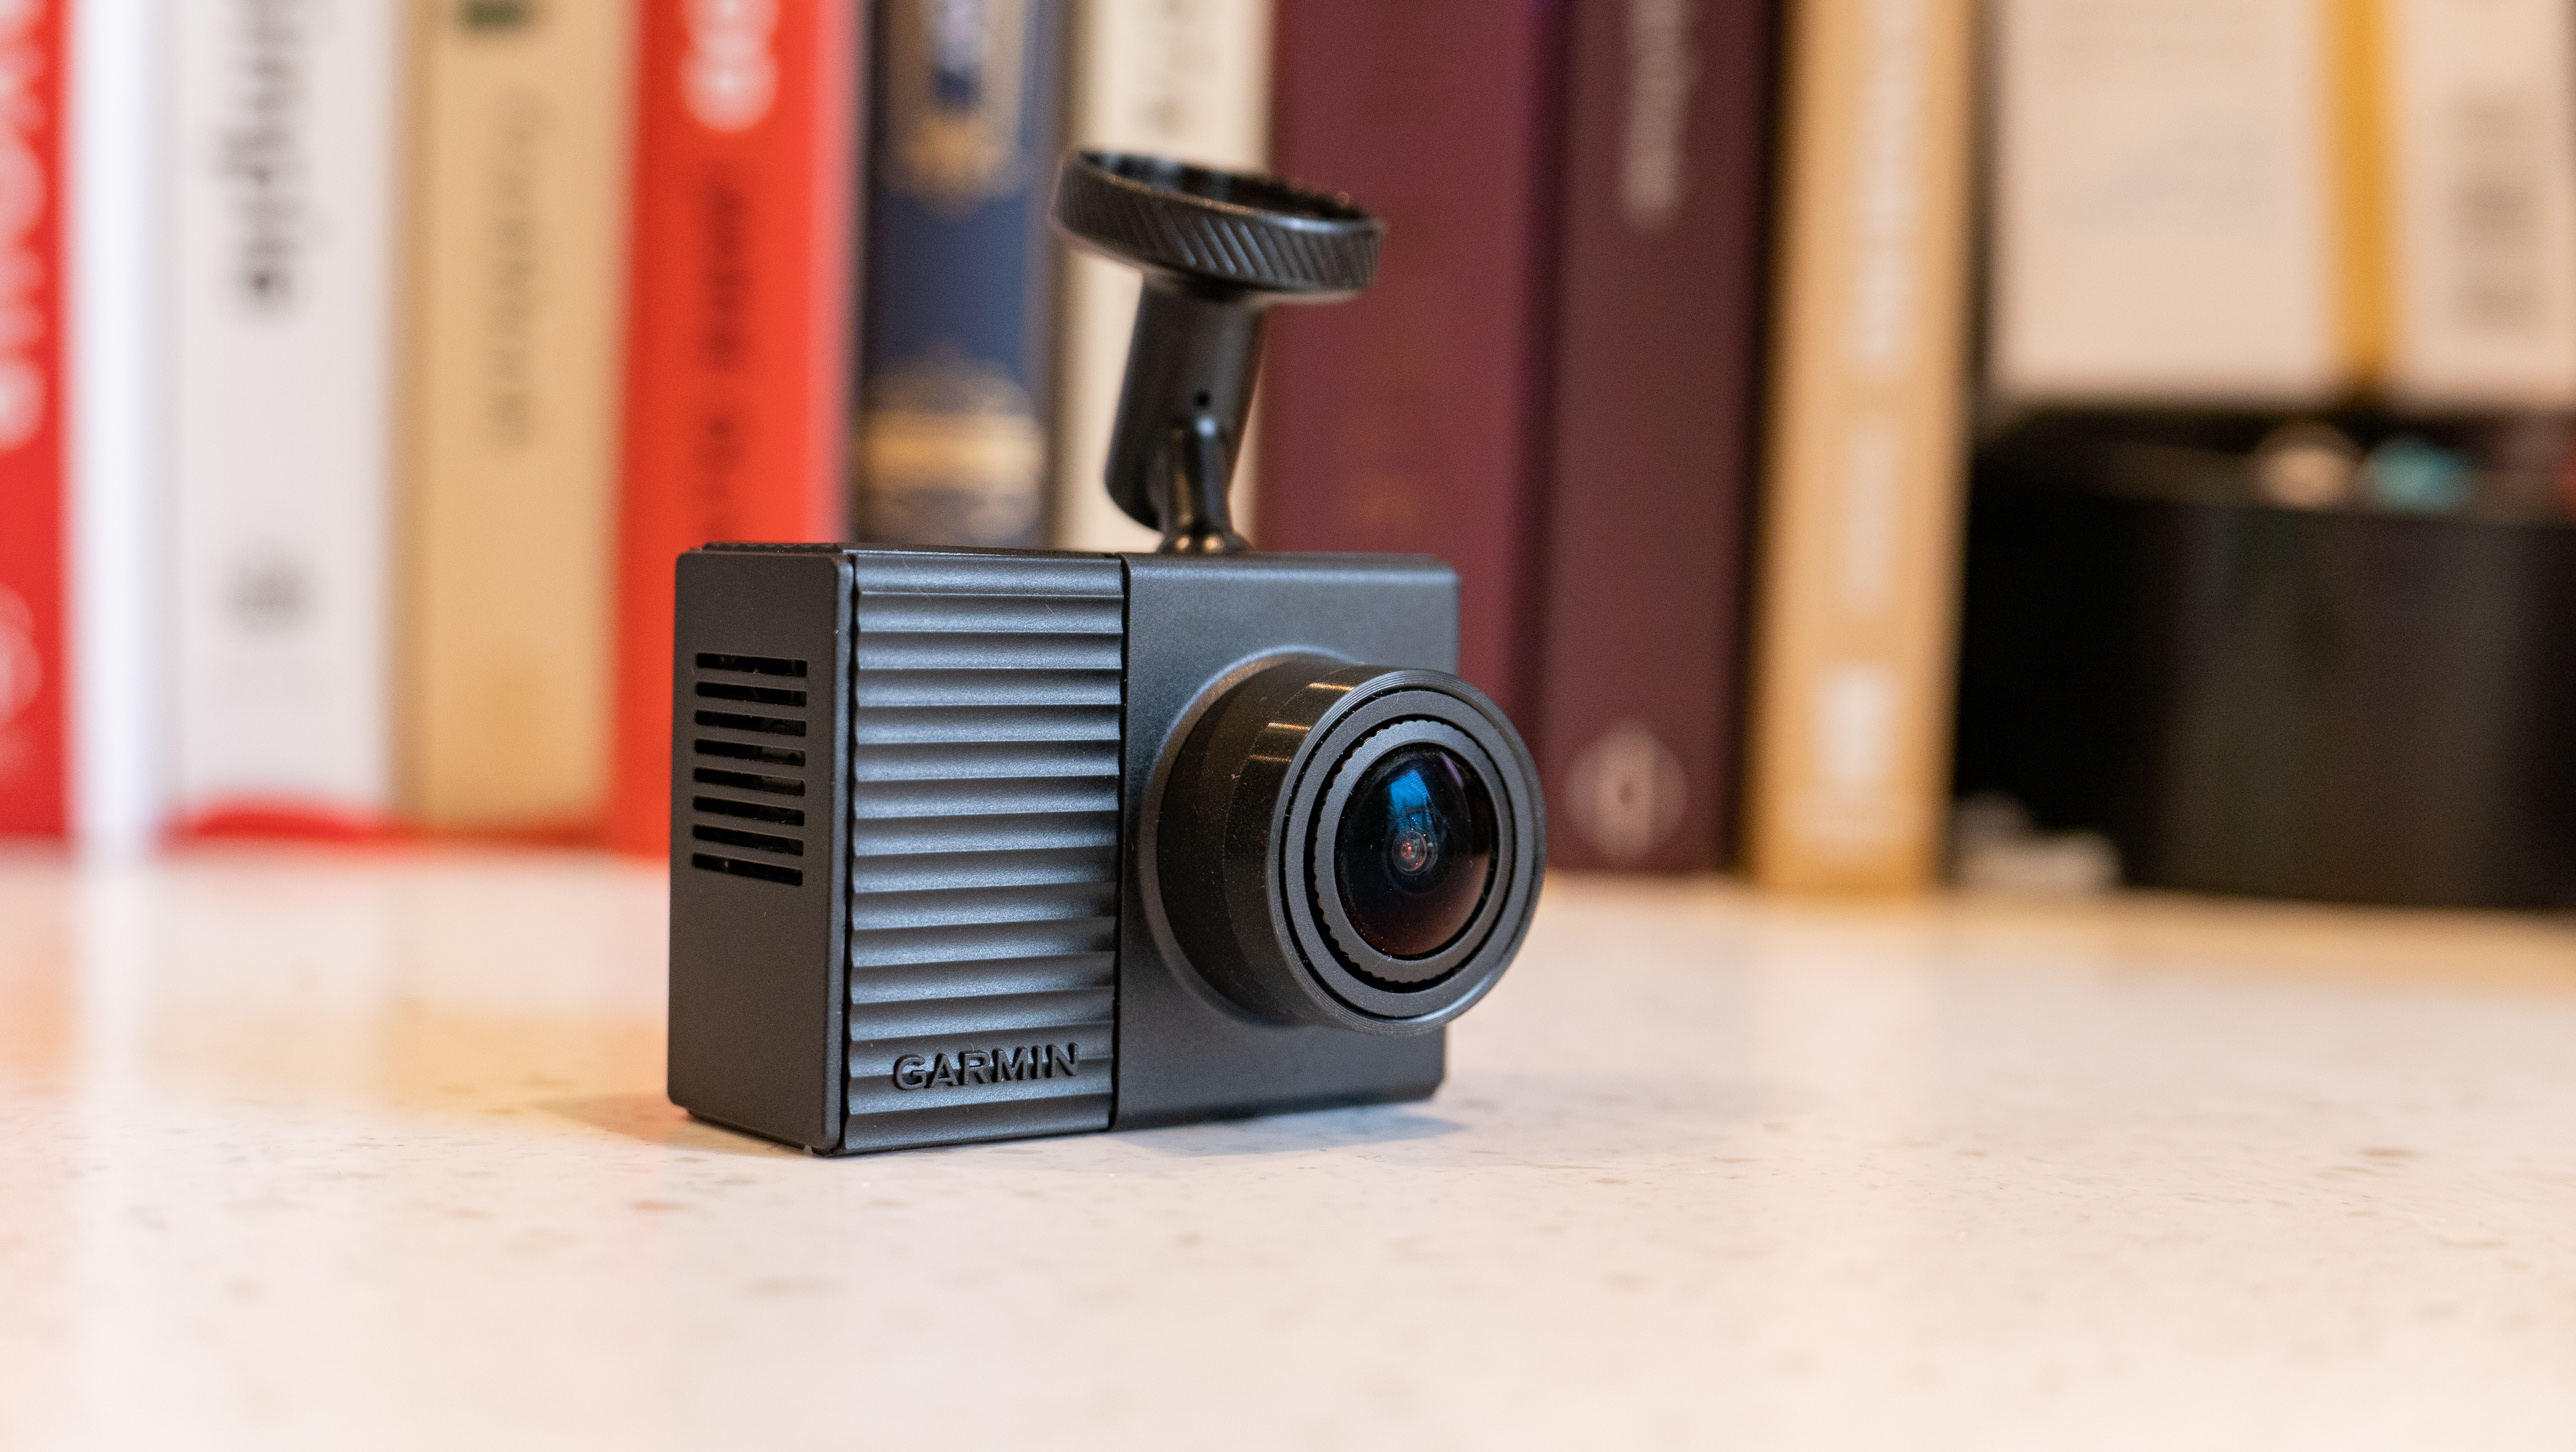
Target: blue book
[958,274]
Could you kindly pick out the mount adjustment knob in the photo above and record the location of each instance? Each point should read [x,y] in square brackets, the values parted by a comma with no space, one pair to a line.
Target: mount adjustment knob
[1217,249]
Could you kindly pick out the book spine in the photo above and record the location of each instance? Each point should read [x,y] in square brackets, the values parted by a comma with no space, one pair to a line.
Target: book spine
[35,786]
[736,326]
[281,295]
[2118,275]
[958,276]
[1658,362]
[1848,773]
[517,208]
[1180,78]
[117,132]
[1414,418]
[2480,108]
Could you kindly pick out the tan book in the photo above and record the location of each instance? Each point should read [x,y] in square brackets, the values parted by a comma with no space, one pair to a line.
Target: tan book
[1181,78]
[517,221]
[1849,769]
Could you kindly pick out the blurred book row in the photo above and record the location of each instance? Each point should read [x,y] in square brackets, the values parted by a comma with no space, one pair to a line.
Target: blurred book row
[369,364]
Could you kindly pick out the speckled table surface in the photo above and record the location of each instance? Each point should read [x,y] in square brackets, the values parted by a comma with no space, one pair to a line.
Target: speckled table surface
[371,1152]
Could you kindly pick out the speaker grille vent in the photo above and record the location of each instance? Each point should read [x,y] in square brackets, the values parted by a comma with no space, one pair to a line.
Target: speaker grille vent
[985,750]
[752,795]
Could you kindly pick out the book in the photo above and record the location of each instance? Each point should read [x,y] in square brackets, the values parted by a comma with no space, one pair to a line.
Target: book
[1848,770]
[1179,78]
[737,326]
[1414,418]
[281,291]
[958,273]
[1646,549]
[35,766]
[515,279]
[2166,204]
[2480,151]
[115,110]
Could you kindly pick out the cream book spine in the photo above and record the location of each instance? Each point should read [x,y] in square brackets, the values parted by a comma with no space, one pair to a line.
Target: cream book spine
[1181,78]
[2480,148]
[516,278]
[2163,208]
[1848,774]
[285,151]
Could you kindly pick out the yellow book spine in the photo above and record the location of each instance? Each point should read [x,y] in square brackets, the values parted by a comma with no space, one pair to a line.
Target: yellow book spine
[1848,777]
[517,224]
[2363,266]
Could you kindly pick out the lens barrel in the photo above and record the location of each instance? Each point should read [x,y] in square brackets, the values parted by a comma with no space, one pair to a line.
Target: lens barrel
[1351,846]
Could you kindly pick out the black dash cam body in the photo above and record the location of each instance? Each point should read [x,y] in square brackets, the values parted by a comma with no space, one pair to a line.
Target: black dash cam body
[982,844]
[924,801]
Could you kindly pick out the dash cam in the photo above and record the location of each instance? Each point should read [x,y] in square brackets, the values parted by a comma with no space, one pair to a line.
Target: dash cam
[981,844]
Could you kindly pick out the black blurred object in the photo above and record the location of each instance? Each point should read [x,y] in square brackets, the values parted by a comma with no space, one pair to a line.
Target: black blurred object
[2343,704]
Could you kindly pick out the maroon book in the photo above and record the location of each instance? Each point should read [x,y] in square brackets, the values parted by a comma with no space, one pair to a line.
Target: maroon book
[1658,360]
[1414,418]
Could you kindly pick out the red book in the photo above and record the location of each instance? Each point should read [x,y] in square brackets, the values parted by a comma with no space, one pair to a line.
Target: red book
[34,766]
[1658,357]
[1414,418]
[737,326]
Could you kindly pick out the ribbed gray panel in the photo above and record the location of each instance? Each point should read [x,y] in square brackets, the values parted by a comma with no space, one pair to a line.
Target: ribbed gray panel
[984,832]
[1020,867]
[934,726]
[1017,1118]
[888,837]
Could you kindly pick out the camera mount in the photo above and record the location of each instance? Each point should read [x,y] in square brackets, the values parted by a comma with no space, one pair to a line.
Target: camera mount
[1217,249]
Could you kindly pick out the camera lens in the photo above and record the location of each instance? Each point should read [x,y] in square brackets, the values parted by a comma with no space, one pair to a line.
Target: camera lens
[1357,847]
[1414,855]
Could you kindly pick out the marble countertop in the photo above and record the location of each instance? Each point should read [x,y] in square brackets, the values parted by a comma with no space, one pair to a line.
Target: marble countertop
[370,1151]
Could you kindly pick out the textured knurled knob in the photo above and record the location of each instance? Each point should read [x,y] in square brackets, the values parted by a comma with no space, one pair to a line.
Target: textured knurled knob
[1213,227]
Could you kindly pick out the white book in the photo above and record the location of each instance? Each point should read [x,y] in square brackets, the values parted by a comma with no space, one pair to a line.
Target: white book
[115,451]
[2482,194]
[284,168]
[2163,224]
[1181,78]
